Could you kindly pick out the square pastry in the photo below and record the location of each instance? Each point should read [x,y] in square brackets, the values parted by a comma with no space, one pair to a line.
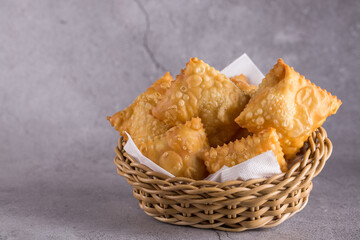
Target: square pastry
[202,91]
[291,104]
[179,150]
[239,151]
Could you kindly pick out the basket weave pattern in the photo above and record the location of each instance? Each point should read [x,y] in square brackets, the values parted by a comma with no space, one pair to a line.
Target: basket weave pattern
[232,205]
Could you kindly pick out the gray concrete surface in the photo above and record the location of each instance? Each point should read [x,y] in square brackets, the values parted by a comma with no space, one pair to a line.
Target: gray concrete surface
[65,65]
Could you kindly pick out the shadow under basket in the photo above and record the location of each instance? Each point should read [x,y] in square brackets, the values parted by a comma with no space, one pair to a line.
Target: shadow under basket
[230,206]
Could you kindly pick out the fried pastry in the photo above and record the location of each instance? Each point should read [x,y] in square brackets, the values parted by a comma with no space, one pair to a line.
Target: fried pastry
[179,150]
[136,119]
[241,82]
[249,89]
[291,104]
[201,91]
[241,150]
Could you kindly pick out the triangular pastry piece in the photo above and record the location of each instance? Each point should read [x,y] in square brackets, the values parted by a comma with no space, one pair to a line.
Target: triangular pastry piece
[136,119]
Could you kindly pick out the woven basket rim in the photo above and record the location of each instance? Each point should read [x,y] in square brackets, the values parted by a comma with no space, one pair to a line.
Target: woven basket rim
[294,167]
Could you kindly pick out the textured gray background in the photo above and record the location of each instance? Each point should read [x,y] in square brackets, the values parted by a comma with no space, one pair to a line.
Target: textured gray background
[65,65]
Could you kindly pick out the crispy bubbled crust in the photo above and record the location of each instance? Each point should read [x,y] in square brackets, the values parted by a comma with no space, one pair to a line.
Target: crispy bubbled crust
[136,119]
[291,104]
[179,150]
[201,91]
[239,151]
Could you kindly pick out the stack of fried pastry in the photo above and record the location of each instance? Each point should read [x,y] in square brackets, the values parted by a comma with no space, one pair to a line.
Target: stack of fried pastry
[202,120]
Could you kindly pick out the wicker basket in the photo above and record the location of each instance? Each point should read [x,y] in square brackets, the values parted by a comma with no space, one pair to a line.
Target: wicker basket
[229,206]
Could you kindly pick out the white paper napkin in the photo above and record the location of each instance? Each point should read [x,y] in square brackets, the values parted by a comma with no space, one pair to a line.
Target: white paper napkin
[244,65]
[262,166]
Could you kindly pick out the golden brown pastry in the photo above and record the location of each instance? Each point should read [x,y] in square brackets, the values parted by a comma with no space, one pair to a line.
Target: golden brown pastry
[241,82]
[291,104]
[241,150]
[179,150]
[201,91]
[136,119]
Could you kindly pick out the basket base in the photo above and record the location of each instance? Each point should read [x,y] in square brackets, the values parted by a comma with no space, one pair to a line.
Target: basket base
[264,222]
